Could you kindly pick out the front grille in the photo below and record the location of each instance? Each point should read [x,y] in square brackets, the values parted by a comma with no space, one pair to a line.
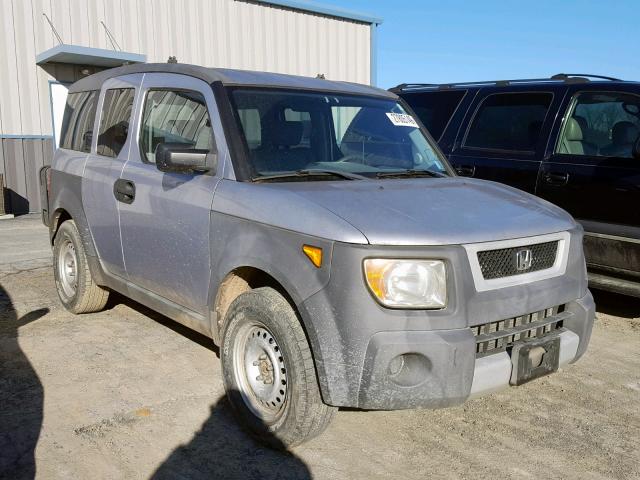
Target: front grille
[503,262]
[494,337]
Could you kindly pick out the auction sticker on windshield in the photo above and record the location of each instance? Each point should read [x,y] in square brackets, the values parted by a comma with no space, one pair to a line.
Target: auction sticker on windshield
[402,120]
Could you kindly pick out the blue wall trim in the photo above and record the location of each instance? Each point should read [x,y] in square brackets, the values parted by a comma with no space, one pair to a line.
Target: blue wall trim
[314,7]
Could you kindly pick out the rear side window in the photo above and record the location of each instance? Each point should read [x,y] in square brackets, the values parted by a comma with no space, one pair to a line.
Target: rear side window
[114,123]
[77,123]
[509,122]
[435,109]
[178,116]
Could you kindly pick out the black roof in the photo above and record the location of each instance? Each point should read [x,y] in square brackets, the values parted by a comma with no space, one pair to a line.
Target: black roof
[228,77]
[566,78]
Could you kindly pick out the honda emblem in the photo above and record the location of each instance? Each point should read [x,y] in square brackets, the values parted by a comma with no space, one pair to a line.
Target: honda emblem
[524,259]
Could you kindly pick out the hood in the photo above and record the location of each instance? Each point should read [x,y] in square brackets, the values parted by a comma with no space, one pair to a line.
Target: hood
[433,211]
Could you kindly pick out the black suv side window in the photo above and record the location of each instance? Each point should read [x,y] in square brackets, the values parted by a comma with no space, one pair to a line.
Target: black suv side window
[114,123]
[435,109]
[509,122]
[77,123]
[601,124]
[174,116]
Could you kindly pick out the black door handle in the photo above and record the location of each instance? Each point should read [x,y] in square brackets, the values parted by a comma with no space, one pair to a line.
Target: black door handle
[556,178]
[124,190]
[466,170]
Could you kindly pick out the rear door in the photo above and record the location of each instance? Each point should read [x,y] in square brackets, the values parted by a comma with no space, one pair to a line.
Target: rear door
[111,148]
[590,171]
[165,222]
[503,135]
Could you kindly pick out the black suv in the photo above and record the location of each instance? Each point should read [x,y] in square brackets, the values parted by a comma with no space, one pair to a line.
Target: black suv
[571,139]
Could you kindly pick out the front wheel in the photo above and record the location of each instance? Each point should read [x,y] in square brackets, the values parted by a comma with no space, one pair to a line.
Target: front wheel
[268,370]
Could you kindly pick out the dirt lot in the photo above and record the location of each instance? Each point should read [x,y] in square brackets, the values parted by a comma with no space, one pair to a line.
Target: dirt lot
[127,393]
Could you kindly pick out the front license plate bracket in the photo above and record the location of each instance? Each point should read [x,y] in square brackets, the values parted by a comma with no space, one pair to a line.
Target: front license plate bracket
[526,361]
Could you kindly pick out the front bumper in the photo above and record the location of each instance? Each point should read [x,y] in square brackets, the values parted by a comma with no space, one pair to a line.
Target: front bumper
[441,368]
[356,342]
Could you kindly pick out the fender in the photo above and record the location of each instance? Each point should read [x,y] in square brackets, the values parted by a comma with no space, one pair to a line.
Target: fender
[66,200]
[236,243]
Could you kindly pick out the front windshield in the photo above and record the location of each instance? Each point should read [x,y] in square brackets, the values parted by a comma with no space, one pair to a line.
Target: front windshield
[287,132]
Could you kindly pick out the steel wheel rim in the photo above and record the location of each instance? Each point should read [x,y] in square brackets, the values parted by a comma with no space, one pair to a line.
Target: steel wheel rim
[260,371]
[68,268]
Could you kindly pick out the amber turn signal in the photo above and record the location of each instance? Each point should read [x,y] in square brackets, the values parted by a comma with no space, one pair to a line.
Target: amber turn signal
[314,254]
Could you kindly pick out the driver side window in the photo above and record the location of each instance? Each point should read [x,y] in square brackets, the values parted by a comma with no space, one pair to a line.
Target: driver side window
[605,124]
[178,116]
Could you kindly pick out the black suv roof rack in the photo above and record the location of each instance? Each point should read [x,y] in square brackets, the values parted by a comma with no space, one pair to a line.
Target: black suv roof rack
[559,77]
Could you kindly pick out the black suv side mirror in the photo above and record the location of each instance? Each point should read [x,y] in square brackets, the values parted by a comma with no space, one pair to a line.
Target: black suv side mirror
[636,149]
[179,158]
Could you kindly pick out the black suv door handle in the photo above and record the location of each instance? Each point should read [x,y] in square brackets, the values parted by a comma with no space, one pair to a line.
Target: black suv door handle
[466,170]
[556,178]
[124,190]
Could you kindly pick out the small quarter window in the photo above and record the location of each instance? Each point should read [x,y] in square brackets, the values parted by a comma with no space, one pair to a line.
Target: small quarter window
[77,123]
[509,122]
[114,124]
[175,117]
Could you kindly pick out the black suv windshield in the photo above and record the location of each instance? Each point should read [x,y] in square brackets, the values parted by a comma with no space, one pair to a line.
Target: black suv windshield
[287,132]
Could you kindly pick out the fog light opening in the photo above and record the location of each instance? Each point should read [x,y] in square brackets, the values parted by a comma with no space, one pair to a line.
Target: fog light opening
[409,369]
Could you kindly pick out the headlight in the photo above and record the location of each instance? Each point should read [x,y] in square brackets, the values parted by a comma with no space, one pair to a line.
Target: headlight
[407,283]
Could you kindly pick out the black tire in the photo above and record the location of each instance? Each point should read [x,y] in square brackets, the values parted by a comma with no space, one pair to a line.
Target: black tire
[85,296]
[302,414]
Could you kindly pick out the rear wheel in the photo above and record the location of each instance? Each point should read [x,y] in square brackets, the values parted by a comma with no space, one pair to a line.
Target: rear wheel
[268,371]
[76,288]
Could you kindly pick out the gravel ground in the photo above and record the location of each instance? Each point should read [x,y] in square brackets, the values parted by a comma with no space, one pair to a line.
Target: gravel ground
[127,393]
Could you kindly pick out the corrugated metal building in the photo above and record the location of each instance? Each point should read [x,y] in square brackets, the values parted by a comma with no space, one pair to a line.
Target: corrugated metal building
[47,44]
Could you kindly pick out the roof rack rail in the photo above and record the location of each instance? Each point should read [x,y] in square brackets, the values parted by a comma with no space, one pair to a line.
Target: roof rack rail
[564,76]
[559,77]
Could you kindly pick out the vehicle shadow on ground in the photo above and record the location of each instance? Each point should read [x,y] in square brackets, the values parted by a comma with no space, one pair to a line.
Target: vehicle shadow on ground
[21,396]
[221,449]
[202,340]
[616,304]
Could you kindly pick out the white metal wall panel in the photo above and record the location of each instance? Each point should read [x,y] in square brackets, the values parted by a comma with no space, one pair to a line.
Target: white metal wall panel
[221,33]
[27,85]
[61,18]
[43,40]
[97,36]
[78,15]
[9,101]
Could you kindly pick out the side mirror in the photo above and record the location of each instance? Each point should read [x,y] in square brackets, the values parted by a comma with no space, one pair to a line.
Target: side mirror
[636,149]
[179,158]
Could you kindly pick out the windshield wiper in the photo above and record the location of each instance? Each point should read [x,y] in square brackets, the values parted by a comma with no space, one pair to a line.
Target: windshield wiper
[410,173]
[312,172]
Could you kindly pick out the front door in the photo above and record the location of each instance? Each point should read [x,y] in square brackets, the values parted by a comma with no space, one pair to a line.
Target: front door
[591,172]
[164,221]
